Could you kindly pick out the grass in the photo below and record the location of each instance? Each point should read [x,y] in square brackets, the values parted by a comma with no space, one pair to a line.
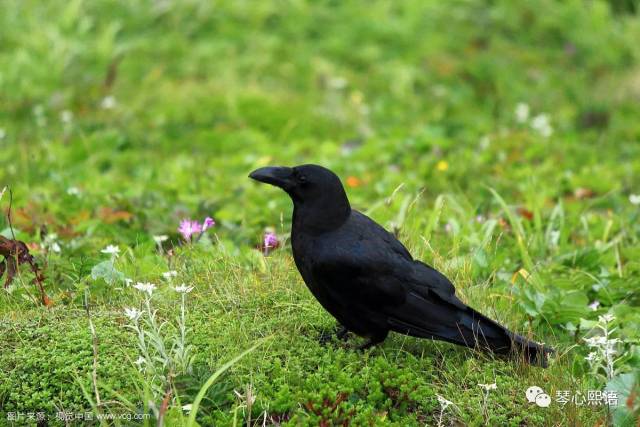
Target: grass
[119,120]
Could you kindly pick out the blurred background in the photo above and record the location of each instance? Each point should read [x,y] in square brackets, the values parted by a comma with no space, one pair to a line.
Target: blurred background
[154,106]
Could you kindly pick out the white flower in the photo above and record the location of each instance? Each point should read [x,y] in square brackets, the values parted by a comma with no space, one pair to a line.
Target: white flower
[485,142]
[606,318]
[132,313]
[633,198]
[489,386]
[522,112]
[443,402]
[596,341]
[183,289]
[187,408]
[541,124]
[591,357]
[169,274]
[337,83]
[140,361]
[51,243]
[161,238]
[73,191]
[66,117]
[108,102]
[594,305]
[111,250]
[145,287]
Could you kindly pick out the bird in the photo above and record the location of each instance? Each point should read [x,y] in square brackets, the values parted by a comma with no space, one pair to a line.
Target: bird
[367,279]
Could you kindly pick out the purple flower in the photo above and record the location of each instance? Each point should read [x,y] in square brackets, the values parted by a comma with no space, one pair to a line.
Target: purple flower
[188,228]
[208,223]
[270,240]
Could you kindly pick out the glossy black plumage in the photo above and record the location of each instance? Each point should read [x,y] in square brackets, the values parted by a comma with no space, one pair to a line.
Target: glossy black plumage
[369,281]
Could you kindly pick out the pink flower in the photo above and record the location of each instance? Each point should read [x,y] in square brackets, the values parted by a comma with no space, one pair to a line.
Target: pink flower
[270,240]
[208,223]
[188,228]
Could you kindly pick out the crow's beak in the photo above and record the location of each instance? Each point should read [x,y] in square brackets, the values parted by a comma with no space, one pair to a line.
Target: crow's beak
[279,176]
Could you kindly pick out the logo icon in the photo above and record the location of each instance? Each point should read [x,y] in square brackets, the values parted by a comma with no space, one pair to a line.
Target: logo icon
[536,395]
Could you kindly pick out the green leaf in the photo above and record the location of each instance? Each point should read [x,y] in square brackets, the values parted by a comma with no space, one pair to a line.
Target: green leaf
[106,270]
[212,379]
[623,385]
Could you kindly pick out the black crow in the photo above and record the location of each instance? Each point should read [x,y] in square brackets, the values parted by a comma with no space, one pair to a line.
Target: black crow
[367,279]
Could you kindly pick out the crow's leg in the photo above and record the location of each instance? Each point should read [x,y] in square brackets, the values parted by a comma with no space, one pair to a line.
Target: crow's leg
[374,340]
[342,332]
[327,336]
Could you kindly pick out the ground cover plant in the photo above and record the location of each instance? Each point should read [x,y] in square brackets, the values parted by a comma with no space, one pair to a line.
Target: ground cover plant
[499,140]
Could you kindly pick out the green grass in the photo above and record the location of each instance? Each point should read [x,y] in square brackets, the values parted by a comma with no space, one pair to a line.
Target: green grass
[414,102]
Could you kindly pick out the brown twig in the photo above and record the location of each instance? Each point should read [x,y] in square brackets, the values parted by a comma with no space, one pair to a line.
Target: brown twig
[15,253]
[164,406]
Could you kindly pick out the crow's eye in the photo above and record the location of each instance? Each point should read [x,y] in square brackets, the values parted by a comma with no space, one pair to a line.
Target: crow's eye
[302,178]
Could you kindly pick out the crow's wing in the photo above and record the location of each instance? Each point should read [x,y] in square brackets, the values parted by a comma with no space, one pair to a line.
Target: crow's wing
[377,249]
[359,278]
[365,264]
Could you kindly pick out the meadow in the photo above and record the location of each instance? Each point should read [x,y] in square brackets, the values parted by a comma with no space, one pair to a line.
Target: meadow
[499,140]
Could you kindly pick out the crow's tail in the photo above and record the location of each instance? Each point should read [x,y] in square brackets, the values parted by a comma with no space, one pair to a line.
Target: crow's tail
[477,330]
[460,324]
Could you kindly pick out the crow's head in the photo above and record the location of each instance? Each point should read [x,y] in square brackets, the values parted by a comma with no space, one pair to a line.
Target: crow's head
[305,183]
[317,193]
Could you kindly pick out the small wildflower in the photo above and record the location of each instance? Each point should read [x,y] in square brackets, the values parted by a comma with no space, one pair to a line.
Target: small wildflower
[188,228]
[485,142]
[443,402]
[594,305]
[522,112]
[353,182]
[66,117]
[161,238]
[50,242]
[541,124]
[208,223]
[442,165]
[169,274]
[489,386]
[140,362]
[337,82]
[187,408]
[108,103]
[111,250]
[270,240]
[73,191]
[132,313]
[606,318]
[591,357]
[145,287]
[183,289]
[596,341]
[634,199]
